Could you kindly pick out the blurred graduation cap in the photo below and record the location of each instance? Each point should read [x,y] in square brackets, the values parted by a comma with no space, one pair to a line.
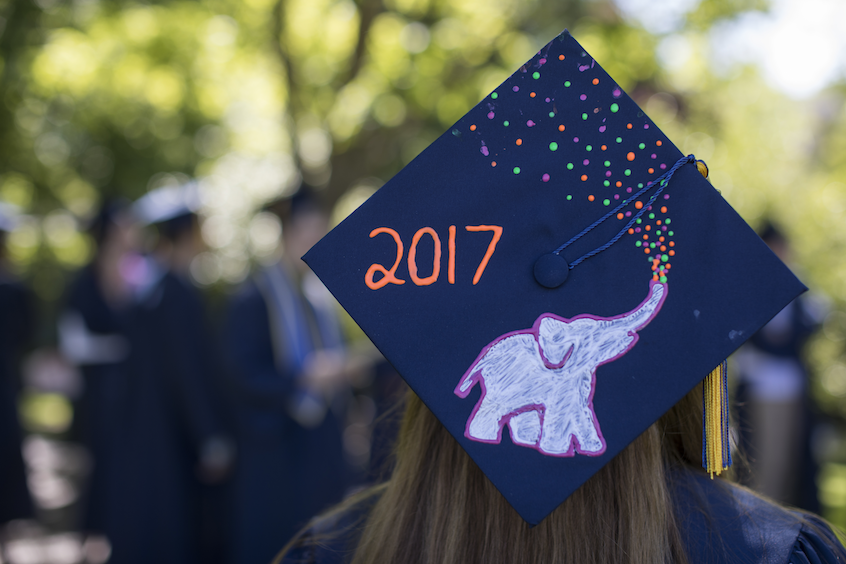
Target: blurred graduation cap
[170,208]
[9,217]
[551,275]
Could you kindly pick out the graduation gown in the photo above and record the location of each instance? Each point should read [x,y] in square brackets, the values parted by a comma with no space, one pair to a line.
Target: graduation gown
[169,415]
[15,330]
[719,523]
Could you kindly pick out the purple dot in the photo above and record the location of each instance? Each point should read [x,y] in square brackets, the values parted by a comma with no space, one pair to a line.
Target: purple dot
[530,123]
[490,115]
[646,126]
[545,178]
[649,208]
[663,166]
[637,229]
[542,61]
[666,196]
[616,93]
[663,228]
[585,162]
[548,100]
[628,214]
[575,139]
[649,183]
[583,97]
[616,196]
[607,173]
[516,89]
[629,189]
[602,129]
[653,156]
[485,151]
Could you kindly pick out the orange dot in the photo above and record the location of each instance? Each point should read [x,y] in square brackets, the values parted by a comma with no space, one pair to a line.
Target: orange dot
[672,253]
[628,126]
[646,237]
[590,198]
[667,266]
[658,222]
[630,156]
[663,248]
[603,147]
[672,244]
[472,128]
[648,227]
[619,184]
[651,170]
[646,250]
[638,205]
[584,177]
[654,268]
[661,238]
[560,57]
[532,94]
[631,231]
[658,143]
[663,209]
[595,81]
[519,142]
[561,128]
[493,163]
[654,276]
[620,215]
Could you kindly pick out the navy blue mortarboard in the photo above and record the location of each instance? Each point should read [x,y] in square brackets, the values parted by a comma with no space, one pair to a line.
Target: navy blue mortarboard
[167,203]
[551,276]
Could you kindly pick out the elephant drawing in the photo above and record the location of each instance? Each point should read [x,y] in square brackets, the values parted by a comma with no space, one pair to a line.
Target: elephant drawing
[540,381]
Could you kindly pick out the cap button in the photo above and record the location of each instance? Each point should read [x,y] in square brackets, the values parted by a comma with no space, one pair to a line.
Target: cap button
[551,270]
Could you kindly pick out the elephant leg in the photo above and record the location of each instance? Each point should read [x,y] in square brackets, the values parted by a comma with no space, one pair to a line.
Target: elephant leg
[485,423]
[525,428]
[557,432]
[585,426]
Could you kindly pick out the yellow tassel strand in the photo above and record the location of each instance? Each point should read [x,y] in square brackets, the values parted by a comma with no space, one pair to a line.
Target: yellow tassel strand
[716,450]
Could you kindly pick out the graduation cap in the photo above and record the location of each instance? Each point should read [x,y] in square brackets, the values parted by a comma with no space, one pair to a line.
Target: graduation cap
[551,275]
[168,203]
[10,216]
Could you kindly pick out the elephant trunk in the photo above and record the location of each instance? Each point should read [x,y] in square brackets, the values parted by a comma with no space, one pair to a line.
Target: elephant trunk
[640,317]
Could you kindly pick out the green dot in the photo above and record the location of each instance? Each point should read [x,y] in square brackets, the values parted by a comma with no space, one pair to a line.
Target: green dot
[569,196]
[553,146]
[589,148]
[641,146]
[516,170]
[551,114]
[665,258]
[607,183]
[584,116]
[566,84]
[670,233]
[652,216]
[505,123]
[615,108]
[619,139]
[640,184]
[639,221]
[667,221]
[606,201]
[651,245]
[638,244]
[607,163]
[536,75]
[494,95]
[663,279]
[627,172]
[569,166]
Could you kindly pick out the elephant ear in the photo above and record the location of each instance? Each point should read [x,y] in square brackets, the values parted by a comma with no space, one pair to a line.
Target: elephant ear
[554,340]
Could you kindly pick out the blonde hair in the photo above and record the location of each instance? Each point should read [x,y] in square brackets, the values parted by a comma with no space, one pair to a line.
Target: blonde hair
[438,506]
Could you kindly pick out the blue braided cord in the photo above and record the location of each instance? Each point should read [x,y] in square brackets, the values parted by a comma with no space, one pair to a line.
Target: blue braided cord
[661,182]
[727,439]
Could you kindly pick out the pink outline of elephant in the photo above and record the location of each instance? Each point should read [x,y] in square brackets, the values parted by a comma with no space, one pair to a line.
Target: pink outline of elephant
[541,381]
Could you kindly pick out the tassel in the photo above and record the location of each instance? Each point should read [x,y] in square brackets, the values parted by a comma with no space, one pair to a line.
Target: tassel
[716,450]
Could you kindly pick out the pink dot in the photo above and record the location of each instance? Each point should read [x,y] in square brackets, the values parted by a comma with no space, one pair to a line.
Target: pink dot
[542,61]
[628,214]
[649,208]
[516,89]
[585,162]
[646,126]
[575,139]
[663,166]
[548,100]
[602,129]
[490,115]
[545,178]
[583,97]
[607,173]
[629,189]
[666,196]
[616,196]
[616,93]
[485,151]
[637,229]
[653,156]
[530,123]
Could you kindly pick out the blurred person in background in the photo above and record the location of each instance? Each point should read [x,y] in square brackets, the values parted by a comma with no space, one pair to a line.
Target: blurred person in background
[174,434]
[774,407]
[291,377]
[93,336]
[16,320]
